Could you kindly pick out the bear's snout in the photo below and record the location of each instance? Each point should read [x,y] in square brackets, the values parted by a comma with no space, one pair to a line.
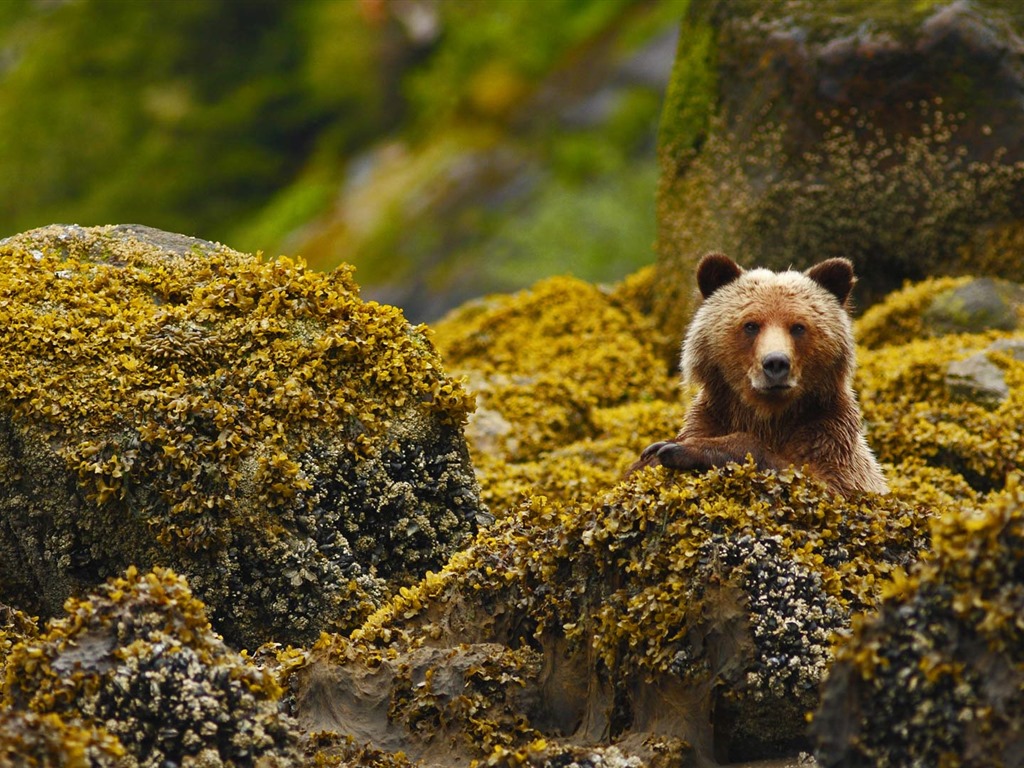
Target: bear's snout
[775,366]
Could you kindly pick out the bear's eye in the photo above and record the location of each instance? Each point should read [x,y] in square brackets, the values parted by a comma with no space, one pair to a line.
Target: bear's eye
[751,328]
[798,329]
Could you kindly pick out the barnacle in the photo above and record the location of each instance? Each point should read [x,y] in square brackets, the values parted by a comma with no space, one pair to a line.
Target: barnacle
[636,593]
[166,400]
[934,678]
[139,659]
[29,739]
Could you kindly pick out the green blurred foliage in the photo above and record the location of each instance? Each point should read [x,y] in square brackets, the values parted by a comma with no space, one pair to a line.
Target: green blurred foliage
[240,122]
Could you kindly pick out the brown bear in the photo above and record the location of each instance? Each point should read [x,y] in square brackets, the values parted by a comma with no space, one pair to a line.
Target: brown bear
[773,353]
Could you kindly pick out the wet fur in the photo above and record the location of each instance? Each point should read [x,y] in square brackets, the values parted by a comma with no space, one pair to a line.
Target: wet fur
[773,354]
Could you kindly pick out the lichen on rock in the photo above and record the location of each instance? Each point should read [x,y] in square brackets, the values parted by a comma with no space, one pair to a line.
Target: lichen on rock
[295,451]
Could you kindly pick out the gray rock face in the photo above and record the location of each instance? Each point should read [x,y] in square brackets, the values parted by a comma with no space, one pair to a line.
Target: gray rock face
[294,451]
[980,380]
[980,305]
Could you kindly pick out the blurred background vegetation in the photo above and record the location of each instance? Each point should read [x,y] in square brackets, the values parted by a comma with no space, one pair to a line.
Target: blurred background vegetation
[447,148]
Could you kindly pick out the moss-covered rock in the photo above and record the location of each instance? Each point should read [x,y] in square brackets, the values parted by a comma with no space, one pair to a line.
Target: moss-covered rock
[935,677]
[673,607]
[295,451]
[882,132]
[139,659]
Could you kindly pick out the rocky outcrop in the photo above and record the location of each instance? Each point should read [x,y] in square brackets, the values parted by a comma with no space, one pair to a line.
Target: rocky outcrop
[935,677]
[138,661]
[296,452]
[796,131]
[687,616]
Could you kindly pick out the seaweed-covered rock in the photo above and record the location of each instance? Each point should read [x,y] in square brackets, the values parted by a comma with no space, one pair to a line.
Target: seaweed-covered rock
[139,659]
[47,741]
[978,305]
[911,411]
[690,614]
[296,452]
[553,369]
[882,132]
[936,676]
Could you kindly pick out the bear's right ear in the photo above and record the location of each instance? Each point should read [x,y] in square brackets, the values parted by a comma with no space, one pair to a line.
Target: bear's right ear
[714,271]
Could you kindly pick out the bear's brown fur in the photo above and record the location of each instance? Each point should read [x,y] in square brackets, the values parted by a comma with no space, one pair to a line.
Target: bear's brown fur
[773,353]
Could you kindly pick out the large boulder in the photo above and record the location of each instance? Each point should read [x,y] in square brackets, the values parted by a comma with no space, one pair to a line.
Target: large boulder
[888,133]
[293,450]
[678,617]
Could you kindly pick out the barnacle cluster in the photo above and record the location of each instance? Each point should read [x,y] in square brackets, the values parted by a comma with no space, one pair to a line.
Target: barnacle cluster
[565,374]
[731,583]
[935,677]
[139,660]
[902,203]
[31,740]
[296,451]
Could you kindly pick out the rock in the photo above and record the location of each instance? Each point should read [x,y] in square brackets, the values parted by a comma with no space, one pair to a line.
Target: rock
[686,616]
[138,659]
[883,133]
[978,379]
[296,452]
[935,677]
[979,305]
[28,738]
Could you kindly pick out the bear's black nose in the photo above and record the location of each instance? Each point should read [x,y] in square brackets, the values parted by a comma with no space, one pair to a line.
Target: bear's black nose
[776,368]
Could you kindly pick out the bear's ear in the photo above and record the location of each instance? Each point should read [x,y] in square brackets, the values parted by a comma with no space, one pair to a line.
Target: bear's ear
[835,276]
[714,271]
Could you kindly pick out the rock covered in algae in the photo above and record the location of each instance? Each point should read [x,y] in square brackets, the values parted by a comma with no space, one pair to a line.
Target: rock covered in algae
[40,741]
[682,615]
[570,386]
[915,409]
[936,676]
[295,451]
[138,660]
[880,131]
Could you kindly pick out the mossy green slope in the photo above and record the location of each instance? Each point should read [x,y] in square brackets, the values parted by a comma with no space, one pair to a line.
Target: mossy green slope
[295,451]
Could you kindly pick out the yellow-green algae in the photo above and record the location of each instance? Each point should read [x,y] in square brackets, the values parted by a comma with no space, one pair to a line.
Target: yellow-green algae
[31,740]
[293,449]
[139,659]
[570,386]
[935,677]
[719,593]
[909,410]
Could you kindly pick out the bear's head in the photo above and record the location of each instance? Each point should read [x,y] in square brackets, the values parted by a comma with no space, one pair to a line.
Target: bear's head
[771,339]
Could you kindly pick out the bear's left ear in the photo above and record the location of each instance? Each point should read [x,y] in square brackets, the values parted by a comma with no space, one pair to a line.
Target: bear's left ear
[835,276]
